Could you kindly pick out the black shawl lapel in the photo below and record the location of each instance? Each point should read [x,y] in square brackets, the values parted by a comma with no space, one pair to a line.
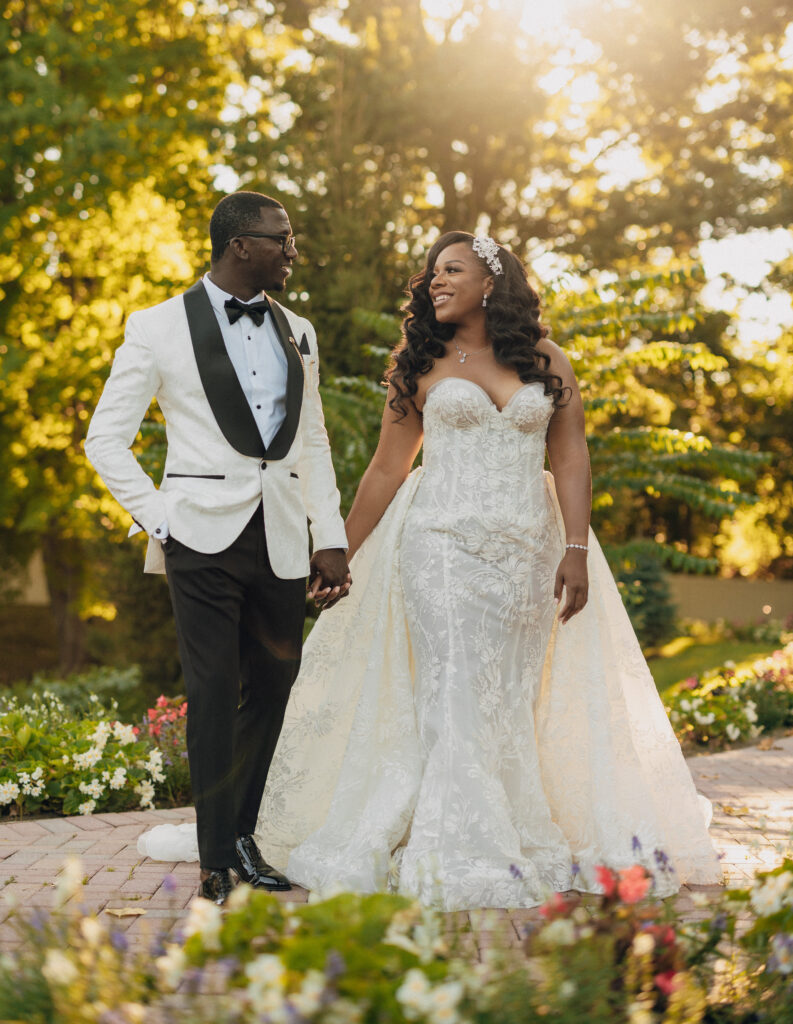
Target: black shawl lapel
[221,385]
[282,442]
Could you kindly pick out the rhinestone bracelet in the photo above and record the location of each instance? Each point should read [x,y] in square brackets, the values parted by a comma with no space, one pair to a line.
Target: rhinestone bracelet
[581,547]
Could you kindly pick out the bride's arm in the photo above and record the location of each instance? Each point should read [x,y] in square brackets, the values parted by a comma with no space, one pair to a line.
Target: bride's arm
[400,440]
[569,458]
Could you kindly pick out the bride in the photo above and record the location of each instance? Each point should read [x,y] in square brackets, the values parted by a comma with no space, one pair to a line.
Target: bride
[475,724]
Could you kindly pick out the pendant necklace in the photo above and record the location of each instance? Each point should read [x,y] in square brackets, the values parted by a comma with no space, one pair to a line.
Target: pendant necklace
[464,355]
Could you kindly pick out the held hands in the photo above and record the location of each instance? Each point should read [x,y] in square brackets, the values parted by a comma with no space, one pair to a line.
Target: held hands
[572,577]
[329,579]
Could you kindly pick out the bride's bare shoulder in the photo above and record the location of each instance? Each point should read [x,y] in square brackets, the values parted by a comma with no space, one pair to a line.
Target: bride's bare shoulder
[559,363]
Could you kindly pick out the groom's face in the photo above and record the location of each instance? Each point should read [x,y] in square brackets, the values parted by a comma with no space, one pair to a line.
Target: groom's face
[270,265]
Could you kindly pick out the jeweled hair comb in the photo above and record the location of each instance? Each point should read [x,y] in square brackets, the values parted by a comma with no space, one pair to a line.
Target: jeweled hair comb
[487,248]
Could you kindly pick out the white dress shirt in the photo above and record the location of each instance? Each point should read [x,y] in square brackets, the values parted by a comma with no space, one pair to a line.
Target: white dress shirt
[258,360]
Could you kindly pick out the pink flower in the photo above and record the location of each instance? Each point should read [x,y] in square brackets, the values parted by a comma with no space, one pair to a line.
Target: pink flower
[667,982]
[633,884]
[691,683]
[162,701]
[607,879]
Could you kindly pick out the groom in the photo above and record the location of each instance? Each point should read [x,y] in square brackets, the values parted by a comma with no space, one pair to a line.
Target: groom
[235,375]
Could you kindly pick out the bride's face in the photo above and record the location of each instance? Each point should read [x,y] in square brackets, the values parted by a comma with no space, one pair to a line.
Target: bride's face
[457,285]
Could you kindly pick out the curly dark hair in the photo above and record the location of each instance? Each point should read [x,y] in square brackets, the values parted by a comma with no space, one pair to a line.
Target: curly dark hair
[234,215]
[512,322]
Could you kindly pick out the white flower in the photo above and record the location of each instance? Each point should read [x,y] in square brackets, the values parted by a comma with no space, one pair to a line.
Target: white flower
[749,711]
[145,790]
[118,779]
[413,994]
[93,788]
[704,719]
[567,989]
[560,932]
[733,732]
[239,898]
[266,971]
[101,734]
[9,791]
[308,1000]
[58,969]
[697,702]
[769,896]
[88,758]
[265,992]
[643,943]
[685,705]
[88,807]
[69,880]
[443,1002]
[342,1011]
[125,734]
[92,930]
[205,920]
[171,965]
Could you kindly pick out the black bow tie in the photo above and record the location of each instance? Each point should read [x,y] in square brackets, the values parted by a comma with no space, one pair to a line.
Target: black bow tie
[255,310]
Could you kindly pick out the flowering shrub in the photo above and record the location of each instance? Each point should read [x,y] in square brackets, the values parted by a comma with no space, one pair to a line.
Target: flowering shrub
[770,938]
[381,959]
[764,631]
[165,724]
[52,762]
[728,705]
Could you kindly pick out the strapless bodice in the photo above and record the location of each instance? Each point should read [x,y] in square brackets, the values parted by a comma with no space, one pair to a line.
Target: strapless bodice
[480,457]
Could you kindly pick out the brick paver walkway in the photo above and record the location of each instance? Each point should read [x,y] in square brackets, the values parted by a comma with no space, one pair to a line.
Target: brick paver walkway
[751,790]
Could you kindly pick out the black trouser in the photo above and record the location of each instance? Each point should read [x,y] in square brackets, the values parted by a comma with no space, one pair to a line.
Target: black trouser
[240,631]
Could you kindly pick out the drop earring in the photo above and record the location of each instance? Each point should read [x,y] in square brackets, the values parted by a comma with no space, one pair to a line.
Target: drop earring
[484,300]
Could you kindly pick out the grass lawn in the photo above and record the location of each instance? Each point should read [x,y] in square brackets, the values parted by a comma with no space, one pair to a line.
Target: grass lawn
[684,657]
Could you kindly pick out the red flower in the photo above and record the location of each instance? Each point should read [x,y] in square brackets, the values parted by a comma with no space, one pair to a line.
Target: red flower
[554,906]
[607,879]
[633,884]
[667,982]
[162,701]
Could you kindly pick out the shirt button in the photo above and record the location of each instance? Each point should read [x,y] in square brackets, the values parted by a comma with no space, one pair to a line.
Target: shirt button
[254,373]
[262,464]
[258,407]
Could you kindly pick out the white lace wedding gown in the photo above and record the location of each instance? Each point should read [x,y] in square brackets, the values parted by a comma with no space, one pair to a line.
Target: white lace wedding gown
[446,737]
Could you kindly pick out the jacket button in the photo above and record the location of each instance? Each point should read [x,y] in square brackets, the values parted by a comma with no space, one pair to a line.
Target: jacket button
[262,464]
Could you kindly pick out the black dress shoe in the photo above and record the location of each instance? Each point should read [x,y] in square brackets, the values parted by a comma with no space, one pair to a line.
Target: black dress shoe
[216,886]
[252,868]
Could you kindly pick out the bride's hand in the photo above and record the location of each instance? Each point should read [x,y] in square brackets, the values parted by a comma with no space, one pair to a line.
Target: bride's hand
[572,577]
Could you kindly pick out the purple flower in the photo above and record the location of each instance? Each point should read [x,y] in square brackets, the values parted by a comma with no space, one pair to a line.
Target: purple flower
[636,845]
[169,883]
[575,869]
[119,941]
[334,965]
[515,871]
[662,860]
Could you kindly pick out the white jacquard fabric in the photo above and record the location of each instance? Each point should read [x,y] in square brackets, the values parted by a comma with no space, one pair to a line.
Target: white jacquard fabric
[446,737]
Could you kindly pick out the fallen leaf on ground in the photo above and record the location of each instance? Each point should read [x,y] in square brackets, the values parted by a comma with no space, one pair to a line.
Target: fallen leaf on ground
[125,911]
[734,811]
[767,744]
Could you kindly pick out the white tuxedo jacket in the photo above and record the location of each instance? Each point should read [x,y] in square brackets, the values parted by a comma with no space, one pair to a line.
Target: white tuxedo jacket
[217,468]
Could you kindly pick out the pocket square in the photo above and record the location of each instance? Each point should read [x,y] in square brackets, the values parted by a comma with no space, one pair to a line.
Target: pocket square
[303,349]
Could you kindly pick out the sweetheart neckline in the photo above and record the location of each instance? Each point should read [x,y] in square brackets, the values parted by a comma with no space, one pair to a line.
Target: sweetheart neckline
[479,388]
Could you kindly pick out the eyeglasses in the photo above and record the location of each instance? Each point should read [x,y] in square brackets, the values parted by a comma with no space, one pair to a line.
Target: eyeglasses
[287,241]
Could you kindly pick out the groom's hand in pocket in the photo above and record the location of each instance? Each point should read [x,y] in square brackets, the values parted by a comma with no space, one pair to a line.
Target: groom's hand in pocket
[330,578]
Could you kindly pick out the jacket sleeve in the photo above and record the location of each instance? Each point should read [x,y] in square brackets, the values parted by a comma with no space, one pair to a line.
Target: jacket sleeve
[133,381]
[317,476]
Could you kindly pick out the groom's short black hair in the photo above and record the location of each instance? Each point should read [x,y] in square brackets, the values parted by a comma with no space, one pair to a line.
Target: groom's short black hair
[234,215]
